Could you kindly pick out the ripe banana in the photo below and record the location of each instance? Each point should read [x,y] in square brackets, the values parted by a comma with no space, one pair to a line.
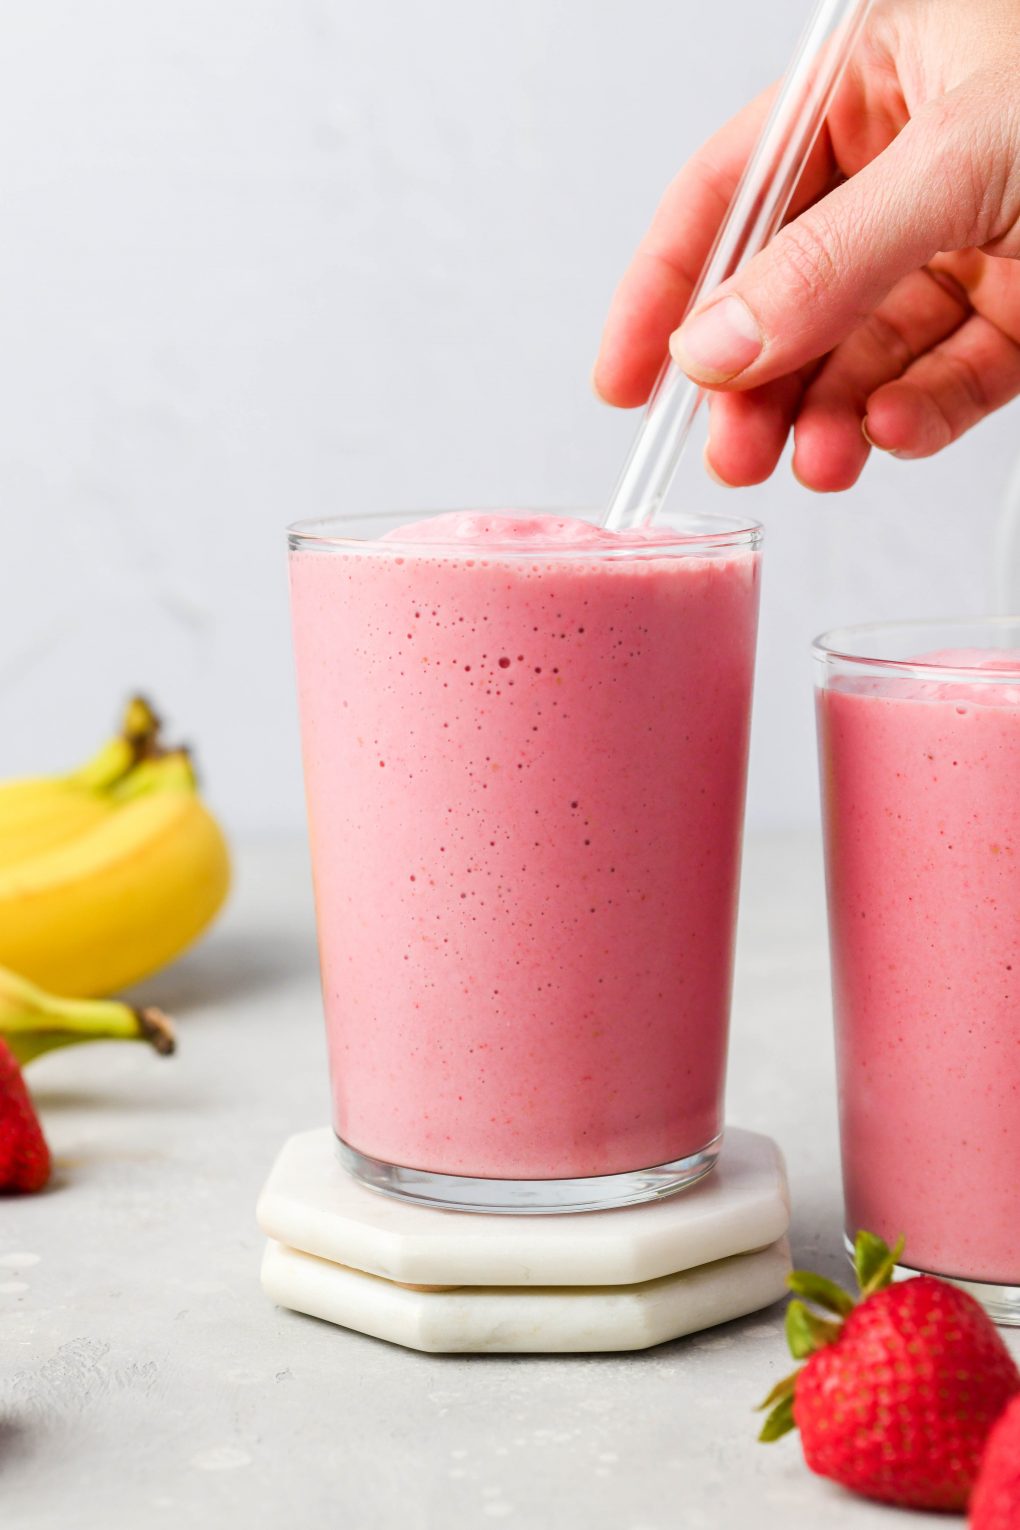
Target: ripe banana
[123,897]
[39,813]
[39,820]
[33,1022]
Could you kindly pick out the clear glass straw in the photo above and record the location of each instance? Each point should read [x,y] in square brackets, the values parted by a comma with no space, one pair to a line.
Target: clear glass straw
[755,214]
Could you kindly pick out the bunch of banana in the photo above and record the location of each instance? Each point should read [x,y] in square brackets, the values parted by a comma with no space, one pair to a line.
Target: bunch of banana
[107,873]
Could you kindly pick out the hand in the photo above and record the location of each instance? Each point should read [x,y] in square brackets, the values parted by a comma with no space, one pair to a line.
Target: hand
[887,313]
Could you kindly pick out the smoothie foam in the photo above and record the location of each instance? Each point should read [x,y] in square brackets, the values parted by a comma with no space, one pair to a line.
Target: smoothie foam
[921,781]
[525,779]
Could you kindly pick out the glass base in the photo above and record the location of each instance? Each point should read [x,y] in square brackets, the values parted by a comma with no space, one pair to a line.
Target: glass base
[529,1197]
[1002,1303]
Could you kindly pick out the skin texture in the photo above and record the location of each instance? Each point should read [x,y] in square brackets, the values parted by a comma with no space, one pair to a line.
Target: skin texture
[887,312]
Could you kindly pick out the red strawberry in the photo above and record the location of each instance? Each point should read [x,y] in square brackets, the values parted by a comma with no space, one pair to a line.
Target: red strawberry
[900,1390]
[24,1156]
[995,1501]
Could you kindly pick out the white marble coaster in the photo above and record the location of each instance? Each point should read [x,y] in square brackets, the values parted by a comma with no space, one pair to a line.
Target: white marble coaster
[534,1320]
[312,1203]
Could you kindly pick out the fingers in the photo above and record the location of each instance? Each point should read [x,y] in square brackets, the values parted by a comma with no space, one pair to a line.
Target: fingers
[811,286]
[747,431]
[916,374]
[831,449]
[945,392]
[651,299]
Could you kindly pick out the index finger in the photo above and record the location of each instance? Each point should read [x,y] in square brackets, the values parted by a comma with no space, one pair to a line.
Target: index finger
[656,288]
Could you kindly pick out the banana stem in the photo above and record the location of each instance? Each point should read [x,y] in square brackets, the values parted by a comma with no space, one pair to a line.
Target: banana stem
[157,1029]
[108,765]
[137,740]
[171,769]
[66,1022]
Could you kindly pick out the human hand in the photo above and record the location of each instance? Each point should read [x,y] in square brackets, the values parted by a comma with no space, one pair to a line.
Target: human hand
[888,311]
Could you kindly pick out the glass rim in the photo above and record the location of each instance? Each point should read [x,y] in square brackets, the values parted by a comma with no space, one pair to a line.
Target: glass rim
[695,533]
[837,646]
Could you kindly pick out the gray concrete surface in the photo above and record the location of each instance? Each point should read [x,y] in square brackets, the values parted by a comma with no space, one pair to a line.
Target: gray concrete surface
[146,1381]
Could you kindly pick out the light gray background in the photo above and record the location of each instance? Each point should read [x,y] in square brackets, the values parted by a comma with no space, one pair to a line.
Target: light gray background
[266,260]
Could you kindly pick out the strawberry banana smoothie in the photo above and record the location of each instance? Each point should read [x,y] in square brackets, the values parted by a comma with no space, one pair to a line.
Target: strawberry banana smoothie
[525,743]
[921,785]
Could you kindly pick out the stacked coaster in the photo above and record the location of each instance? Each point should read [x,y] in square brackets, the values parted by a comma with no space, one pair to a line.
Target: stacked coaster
[455,1281]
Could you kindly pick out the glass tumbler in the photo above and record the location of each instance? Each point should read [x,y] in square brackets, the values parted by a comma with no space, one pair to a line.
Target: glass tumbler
[919,733]
[525,763]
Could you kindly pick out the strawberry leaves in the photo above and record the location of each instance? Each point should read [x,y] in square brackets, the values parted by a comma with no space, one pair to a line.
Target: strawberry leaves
[874,1262]
[824,1293]
[807,1332]
[779,1422]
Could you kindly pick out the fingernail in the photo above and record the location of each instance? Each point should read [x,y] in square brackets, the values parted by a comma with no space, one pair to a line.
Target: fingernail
[710,470]
[717,343]
[890,451]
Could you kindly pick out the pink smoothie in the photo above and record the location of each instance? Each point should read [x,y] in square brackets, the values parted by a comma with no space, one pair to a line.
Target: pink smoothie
[525,782]
[921,785]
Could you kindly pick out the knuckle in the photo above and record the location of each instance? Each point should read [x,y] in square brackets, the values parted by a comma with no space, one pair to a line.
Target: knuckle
[809,252]
[889,340]
[955,142]
[950,428]
[967,384]
[941,116]
[715,180]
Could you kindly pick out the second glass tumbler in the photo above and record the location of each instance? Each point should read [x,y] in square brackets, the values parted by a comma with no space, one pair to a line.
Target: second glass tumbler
[919,729]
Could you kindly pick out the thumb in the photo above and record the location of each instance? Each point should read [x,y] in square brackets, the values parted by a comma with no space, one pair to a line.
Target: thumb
[826,270]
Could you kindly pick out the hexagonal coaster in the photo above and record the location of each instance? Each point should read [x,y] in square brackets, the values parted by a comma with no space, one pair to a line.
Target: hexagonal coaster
[311,1203]
[533,1319]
